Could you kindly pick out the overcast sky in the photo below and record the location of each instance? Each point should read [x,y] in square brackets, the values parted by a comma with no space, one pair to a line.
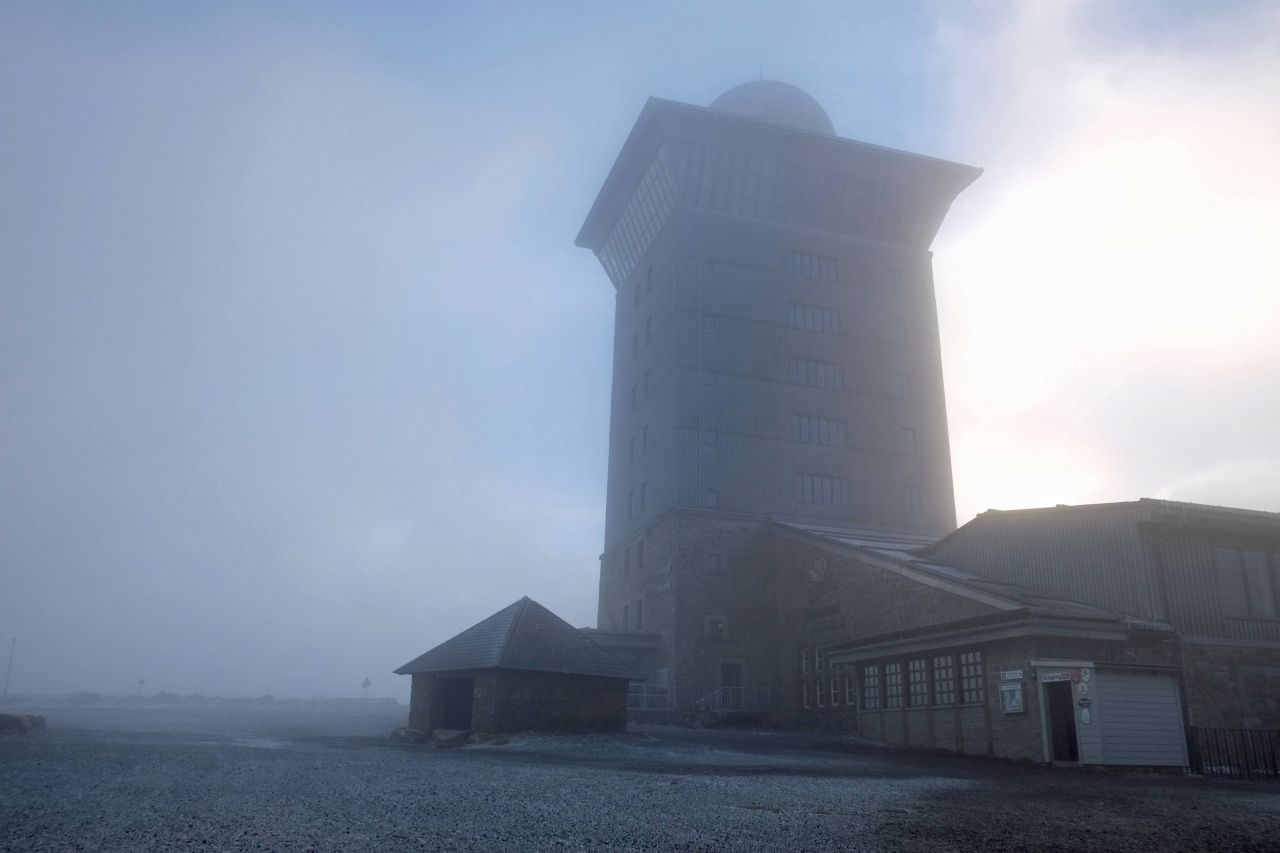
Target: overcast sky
[301,373]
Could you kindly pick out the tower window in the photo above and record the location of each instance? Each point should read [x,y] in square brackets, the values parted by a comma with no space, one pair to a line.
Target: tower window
[813,318]
[811,266]
[640,555]
[908,441]
[902,386]
[814,430]
[914,503]
[817,374]
[821,489]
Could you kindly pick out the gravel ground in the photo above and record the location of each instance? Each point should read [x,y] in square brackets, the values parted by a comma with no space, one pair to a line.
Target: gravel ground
[262,779]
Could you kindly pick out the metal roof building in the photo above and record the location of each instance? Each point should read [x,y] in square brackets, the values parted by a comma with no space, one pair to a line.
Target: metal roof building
[523,668]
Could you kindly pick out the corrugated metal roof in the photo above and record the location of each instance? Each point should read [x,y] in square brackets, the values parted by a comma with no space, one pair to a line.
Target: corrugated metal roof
[524,635]
[906,551]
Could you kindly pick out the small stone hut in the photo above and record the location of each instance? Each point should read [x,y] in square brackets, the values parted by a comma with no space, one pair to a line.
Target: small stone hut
[522,669]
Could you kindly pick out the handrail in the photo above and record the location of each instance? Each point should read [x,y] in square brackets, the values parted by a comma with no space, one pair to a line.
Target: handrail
[724,700]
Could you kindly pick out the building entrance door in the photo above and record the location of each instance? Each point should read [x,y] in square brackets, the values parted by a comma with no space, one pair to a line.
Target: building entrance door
[456,701]
[731,678]
[1062,721]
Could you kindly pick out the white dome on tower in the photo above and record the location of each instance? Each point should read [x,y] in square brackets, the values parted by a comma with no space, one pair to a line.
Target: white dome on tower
[776,103]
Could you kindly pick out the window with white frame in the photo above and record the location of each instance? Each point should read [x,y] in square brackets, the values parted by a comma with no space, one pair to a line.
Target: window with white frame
[971,678]
[835,691]
[822,693]
[893,685]
[917,683]
[850,688]
[808,694]
[944,680]
[804,660]
[871,687]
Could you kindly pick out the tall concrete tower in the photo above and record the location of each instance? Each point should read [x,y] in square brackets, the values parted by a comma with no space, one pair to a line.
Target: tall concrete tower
[776,349]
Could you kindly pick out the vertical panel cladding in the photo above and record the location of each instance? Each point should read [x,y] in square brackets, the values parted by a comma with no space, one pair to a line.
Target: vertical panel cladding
[1190,578]
[1086,554]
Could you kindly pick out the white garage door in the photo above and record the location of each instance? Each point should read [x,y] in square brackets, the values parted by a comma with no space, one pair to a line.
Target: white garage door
[1141,719]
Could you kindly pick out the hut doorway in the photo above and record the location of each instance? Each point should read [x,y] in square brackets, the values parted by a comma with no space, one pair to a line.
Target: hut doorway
[1062,721]
[456,701]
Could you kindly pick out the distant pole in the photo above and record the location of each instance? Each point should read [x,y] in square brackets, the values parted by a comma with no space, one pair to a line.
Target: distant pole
[13,644]
[141,681]
[366,684]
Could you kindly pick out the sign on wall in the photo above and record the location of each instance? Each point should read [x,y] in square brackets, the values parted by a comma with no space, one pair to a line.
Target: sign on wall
[1011,699]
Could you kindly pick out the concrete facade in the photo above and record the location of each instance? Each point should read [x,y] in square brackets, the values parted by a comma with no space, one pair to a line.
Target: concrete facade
[776,355]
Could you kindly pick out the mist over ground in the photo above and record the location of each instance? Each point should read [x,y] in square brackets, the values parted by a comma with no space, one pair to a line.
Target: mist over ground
[301,373]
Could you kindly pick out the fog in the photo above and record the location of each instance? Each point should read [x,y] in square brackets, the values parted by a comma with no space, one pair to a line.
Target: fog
[301,373]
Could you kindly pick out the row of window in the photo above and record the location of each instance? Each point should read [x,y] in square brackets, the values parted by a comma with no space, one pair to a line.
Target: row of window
[821,489]
[916,683]
[811,266]
[813,318]
[812,429]
[809,318]
[817,374]
[824,374]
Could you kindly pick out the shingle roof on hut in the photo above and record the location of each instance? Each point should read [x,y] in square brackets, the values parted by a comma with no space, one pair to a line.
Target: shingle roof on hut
[525,635]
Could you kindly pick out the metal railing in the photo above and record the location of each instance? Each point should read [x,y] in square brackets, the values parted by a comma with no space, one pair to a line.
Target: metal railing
[726,700]
[648,697]
[1234,753]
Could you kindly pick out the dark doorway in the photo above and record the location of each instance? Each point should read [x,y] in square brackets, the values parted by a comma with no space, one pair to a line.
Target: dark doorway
[455,702]
[1062,721]
[731,677]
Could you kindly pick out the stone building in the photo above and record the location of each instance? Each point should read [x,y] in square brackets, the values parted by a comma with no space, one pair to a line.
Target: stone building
[776,356]
[522,669]
[1095,634]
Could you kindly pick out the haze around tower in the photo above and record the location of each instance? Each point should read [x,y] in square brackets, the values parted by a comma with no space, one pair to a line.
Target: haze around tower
[300,366]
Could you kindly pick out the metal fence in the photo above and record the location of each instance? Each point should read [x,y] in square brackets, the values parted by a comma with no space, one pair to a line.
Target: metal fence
[728,699]
[1234,753]
[648,697]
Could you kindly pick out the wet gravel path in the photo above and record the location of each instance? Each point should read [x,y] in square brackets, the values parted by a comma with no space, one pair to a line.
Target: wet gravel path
[178,780]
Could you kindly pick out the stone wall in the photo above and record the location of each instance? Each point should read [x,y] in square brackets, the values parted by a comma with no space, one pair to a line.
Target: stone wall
[1232,687]
[422,713]
[516,700]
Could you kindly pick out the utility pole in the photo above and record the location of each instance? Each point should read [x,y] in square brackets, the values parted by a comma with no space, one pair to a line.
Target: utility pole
[13,644]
